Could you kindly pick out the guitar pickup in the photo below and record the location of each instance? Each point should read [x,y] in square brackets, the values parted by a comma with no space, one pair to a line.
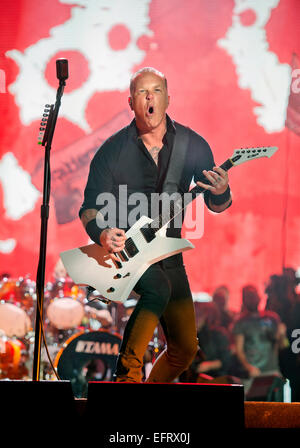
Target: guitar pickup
[148,233]
[117,263]
[130,247]
[123,255]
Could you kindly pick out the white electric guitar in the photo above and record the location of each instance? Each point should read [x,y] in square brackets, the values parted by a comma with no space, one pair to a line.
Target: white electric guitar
[146,244]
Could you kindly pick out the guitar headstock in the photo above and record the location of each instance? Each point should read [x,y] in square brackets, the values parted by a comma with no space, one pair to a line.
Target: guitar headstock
[44,125]
[246,154]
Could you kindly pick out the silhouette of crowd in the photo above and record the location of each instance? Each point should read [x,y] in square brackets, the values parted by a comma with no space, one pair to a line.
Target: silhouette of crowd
[254,343]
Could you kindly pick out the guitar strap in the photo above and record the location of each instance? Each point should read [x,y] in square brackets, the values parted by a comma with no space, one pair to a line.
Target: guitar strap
[177,159]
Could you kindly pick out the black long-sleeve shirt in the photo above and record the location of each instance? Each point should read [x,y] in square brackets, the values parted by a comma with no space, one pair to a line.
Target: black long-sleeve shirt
[123,160]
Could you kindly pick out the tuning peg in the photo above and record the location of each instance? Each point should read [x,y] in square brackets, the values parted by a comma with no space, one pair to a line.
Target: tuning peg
[40,138]
[43,123]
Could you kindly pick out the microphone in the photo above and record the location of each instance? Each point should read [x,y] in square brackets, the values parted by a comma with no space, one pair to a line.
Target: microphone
[62,72]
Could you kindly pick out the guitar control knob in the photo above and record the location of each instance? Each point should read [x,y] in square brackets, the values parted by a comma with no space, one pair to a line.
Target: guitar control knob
[111,289]
[118,276]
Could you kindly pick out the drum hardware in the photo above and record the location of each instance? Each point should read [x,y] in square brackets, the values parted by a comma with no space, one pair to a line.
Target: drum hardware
[96,296]
[88,356]
[155,341]
[37,347]
[13,354]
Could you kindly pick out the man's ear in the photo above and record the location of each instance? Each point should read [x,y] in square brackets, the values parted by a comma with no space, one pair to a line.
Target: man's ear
[130,102]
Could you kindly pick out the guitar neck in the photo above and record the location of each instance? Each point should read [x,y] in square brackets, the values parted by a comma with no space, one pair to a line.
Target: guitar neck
[177,206]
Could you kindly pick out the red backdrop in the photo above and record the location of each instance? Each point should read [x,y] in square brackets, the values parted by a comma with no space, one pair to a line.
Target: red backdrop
[229,69]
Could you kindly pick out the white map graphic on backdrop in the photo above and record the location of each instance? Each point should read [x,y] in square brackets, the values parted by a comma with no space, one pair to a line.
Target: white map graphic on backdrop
[19,194]
[87,32]
[257,68]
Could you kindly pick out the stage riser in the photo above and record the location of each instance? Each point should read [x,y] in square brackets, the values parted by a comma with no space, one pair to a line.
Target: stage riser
[113,410]
[174,408]
[186,411]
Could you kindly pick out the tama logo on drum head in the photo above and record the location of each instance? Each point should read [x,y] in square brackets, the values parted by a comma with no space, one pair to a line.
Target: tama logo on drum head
[104,348]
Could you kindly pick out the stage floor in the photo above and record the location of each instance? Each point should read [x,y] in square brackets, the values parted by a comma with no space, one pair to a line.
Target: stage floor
[272,415]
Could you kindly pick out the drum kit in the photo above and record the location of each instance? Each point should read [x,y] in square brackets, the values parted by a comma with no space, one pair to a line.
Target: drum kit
[67,314]
[83,335]
[16,316]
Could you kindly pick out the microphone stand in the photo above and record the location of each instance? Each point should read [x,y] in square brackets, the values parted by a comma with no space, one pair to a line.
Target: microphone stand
[40,279]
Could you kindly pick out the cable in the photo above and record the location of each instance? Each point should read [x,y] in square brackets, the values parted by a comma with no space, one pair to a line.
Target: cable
[45,342]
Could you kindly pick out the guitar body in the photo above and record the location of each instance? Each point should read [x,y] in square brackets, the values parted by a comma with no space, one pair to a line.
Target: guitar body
[92,265]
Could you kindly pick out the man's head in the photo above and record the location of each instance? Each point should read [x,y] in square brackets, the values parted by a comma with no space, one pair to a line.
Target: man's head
[141,72]
[207,314]
[149,98]
[221,296]
[250,298]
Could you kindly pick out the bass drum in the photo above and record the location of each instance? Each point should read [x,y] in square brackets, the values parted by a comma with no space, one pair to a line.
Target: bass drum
[88,356]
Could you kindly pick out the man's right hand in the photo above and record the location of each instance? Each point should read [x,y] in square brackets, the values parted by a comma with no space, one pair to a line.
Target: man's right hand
[113,240]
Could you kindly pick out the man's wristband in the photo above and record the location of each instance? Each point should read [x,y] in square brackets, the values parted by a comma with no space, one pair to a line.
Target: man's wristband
[219,199]
[93,230]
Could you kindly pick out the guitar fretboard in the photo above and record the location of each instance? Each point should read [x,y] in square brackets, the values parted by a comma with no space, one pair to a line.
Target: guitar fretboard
[177,206]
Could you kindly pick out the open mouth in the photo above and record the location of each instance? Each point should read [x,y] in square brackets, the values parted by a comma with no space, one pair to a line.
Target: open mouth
[150,110]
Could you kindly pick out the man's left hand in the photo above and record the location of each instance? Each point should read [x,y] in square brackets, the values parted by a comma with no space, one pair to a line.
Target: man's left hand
[218,179]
